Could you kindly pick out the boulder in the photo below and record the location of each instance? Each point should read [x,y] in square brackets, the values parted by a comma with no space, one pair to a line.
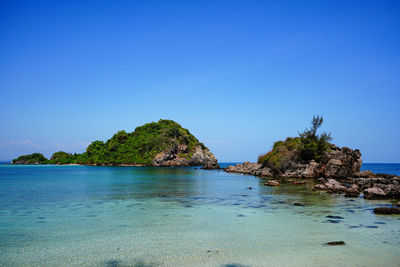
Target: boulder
[387,210]
[352,191]
[320,187]
[374,193]
[272,183]
[334,186]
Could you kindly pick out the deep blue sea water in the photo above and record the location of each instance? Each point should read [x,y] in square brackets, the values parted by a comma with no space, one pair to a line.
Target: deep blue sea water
[134,216]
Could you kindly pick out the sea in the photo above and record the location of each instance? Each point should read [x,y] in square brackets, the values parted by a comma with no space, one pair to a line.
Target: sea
[144,216]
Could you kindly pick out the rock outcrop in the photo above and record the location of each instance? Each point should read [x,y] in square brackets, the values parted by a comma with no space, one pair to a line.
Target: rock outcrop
[341,162]
[372,185]
[179,156]
[338,172]
[336,163]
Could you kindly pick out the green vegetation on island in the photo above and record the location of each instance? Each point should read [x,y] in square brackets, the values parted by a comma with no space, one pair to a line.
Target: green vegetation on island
[35,158]
[304,148]
[140,147]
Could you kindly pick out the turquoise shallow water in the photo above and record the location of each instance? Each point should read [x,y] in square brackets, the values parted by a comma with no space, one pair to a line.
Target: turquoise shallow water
[127,216]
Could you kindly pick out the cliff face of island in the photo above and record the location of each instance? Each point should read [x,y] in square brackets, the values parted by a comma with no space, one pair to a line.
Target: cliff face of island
[162,143]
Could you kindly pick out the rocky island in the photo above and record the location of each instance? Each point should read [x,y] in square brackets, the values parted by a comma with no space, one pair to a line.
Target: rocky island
[162,143]
[313,156]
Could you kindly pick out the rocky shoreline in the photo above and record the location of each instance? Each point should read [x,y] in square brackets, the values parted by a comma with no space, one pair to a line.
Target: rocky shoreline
[339,172]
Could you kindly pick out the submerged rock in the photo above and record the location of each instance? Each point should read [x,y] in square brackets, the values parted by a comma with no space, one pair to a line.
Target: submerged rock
[387,210]
[334,217]
[336,243]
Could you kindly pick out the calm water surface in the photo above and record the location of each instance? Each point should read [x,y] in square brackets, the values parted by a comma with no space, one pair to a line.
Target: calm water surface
[128,216]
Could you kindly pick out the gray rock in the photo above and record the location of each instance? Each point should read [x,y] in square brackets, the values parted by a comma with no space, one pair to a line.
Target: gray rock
[352,191]
[374,193]
[178,156]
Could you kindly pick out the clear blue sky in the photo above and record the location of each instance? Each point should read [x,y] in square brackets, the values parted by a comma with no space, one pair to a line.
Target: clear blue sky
[238,74]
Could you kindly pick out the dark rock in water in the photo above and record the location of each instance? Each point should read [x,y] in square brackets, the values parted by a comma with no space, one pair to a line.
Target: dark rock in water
[371,226]
[336,243]
[379,223]
[332,221]
[387,211]
[334,217]
[112,263]
[298,204]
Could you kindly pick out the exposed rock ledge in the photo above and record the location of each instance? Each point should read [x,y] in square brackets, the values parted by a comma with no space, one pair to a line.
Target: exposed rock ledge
[338,172]
[377,186]
[337,163]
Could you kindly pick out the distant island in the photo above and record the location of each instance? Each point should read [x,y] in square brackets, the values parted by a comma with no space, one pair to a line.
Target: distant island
[162,143]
